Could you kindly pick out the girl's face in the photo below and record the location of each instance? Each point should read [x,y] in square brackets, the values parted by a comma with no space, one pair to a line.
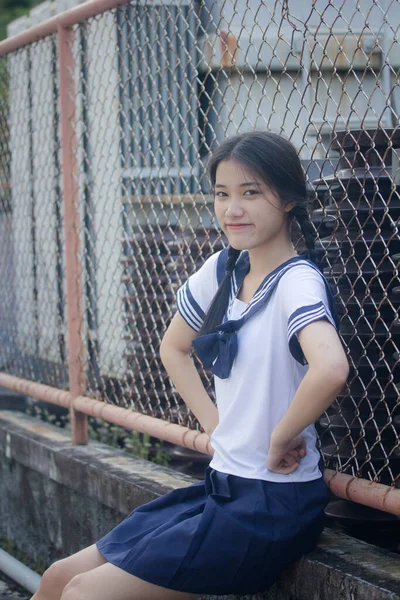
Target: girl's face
[249,213]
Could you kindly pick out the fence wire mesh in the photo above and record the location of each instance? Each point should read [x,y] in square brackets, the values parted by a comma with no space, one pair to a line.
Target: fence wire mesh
[157,85]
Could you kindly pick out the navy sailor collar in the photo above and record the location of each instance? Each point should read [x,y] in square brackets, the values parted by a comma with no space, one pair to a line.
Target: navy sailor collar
[221,346]
[242,267]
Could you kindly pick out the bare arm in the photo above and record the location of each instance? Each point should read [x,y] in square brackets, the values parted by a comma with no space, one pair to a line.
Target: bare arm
[175,355]
[326,376]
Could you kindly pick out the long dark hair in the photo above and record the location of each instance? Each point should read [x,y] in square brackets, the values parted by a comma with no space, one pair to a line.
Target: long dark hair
[275,160]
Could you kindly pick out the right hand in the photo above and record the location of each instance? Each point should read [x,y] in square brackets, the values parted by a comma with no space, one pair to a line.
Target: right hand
[285,458]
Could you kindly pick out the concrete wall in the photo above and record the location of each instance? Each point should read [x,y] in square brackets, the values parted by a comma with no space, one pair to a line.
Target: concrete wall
[56,498]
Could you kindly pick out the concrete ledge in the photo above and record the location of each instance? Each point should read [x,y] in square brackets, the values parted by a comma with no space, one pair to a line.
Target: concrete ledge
[114,478]
[57,498]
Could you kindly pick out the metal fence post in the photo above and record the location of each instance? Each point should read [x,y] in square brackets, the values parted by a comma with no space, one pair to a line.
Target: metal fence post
[72,229]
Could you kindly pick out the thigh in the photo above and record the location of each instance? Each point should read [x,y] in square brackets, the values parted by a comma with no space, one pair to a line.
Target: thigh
[85,560]
[62,571]
[109,582]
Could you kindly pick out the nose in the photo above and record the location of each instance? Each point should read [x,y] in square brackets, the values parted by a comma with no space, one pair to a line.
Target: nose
[234,208]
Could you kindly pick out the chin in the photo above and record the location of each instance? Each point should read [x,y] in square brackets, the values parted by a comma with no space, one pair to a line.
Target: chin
[237,245]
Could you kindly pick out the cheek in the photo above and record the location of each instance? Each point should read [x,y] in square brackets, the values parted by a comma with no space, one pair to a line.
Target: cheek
[218,211]
[267,221]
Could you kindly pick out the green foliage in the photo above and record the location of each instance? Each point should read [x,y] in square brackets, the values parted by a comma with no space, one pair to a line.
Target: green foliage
[13,9]
[44,415]
[9,546]
[133,442]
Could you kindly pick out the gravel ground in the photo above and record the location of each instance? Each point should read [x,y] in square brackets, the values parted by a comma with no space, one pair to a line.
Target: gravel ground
[9,590]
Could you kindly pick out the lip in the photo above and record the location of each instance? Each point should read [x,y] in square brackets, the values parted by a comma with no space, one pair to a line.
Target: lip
[238,226]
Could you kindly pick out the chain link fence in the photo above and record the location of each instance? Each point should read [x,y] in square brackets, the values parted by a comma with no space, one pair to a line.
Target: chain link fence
[158,84]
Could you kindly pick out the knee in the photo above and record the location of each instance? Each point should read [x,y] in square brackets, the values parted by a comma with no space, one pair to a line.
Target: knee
[76,589]
[55,571]
[53,580]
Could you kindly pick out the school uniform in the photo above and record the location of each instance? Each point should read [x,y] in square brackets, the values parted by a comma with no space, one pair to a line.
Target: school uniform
[236,531]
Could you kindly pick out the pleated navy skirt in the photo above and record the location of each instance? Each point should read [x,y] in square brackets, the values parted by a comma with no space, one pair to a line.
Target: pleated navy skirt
[224,535]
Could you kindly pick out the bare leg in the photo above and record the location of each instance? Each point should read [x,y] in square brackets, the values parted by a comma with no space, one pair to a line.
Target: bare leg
[109,582]
[62,571]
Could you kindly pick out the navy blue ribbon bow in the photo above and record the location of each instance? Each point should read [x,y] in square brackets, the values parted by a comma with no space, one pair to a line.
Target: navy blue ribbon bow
[221,345]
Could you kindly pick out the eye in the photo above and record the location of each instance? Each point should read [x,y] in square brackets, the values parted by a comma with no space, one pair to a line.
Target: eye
[218,194]
[251,192]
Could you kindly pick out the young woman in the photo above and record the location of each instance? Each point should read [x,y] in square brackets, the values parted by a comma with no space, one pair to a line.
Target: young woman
[263,318]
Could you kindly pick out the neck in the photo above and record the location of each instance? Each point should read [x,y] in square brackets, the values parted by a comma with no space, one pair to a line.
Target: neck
[264,259]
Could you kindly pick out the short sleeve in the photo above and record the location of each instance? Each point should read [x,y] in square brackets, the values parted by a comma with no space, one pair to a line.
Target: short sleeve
[304,299]
[194,297]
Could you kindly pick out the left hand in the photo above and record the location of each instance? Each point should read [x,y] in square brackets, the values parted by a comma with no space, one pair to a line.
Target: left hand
[285,458]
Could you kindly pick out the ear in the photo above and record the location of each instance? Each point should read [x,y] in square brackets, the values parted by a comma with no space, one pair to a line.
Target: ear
[288,207]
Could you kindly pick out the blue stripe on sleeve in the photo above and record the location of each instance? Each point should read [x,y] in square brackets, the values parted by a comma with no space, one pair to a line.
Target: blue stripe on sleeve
[300,318]
[188,307]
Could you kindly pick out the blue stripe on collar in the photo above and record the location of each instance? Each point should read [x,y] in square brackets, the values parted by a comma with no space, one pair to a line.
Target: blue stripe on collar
[265,286]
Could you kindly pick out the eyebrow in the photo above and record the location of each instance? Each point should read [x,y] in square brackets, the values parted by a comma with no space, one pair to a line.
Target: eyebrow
[219,185]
